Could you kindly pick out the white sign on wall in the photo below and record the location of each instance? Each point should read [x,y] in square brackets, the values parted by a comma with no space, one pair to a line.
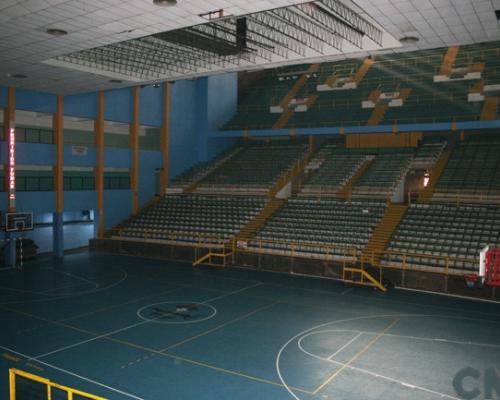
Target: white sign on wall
[79,150]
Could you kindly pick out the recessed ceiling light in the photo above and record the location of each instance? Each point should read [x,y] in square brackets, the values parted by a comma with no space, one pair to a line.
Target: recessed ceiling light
[409,39]
[115,81]
[165,3]
[18,76]
[56,32]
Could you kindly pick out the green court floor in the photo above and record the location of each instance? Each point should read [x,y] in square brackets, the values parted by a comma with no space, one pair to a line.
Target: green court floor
[111,325]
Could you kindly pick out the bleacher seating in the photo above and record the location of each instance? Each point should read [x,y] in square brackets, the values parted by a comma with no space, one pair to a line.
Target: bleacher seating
[427,154]
[384,174]
[429,102]
[472,173]
[191,218]
[254,170]
[445,230]
[307,226]
[202,169]
[335,168]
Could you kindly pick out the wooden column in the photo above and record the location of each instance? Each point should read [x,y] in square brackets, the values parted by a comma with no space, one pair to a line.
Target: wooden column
[58,223]
[134,148]
[59,164]
[99,169]
[165,139]
[9,124]
[311,144]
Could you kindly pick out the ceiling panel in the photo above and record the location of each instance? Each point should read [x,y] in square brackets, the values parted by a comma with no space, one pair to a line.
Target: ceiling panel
[24,43]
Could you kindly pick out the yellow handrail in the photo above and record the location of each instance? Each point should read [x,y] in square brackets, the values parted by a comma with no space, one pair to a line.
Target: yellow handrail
[200,239]
[13,372]
[460,196]
[327,251]
[350,253]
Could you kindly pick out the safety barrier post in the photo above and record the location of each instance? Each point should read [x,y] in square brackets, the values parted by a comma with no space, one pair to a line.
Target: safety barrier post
[12,385]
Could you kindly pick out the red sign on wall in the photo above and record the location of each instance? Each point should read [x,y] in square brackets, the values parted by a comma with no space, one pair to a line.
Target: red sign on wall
[11,145]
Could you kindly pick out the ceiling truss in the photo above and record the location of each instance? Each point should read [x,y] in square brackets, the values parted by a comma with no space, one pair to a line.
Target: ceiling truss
[304,30]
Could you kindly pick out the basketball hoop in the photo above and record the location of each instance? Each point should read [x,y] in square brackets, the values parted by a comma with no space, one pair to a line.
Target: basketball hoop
[471,280]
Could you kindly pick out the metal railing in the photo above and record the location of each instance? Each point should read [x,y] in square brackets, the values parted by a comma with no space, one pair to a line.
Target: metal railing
[458,196]
[409,261]
[19,381]
[343,254]
[187,238]
[297,249]
[350,255]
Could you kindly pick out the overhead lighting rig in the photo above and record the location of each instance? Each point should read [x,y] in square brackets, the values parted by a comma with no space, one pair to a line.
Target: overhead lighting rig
[229,42]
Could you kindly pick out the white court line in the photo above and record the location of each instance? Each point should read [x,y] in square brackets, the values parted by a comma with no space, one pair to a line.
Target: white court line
[77,277]
[72,296]
[367,317]
[425,339]
[43,292]
[126,328]
[380,376]
[75,375]
[343,347]
[346,291]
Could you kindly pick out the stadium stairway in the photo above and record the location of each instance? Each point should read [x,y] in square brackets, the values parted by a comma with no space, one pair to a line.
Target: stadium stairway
[297,170]
[260,219]
[426,194]
[346,191]
[380,109]
[490,108]
[449,60]
[377,114]
[363,70]
[151,203]
[274,204]
[383,232]
[193,186]
[358,77]
[287,114]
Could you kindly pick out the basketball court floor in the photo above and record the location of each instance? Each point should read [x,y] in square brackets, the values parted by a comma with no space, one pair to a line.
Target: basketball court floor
[134,328]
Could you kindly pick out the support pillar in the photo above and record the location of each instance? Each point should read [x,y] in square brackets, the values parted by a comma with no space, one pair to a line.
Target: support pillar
[10,249]
[58,229]
[58,234]
[134,148]
[165,139]
[10,172]
[99,169]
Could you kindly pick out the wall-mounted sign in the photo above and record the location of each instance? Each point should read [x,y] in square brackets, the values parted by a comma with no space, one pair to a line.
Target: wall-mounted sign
[79,150]
[11,144]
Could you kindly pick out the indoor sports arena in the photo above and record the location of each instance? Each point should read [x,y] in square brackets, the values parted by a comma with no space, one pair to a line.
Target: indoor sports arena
[240,200]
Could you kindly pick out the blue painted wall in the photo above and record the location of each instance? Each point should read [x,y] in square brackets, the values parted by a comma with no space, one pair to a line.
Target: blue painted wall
[118,105]
[198,108]
[3,96]
[35,101]
[151,106]
[148,162]
[183,127]
[81,105]
[222,105]
[118,203]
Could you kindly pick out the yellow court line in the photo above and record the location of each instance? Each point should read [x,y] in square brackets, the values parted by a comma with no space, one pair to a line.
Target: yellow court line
[356,356]
[11,357]
[118,305]
[241,318]
[154,351]
[230,372]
